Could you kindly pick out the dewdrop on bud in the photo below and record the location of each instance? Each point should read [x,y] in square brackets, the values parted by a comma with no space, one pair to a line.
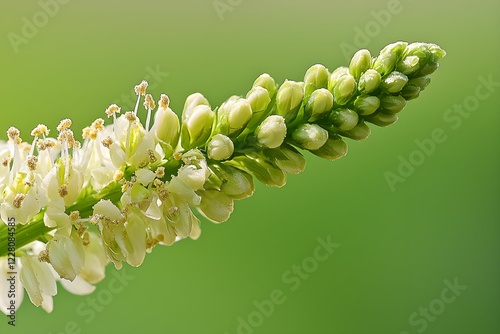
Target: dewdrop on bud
[344,119]
[289,100]
[316,77]
[220,147]
[388,57]
[271,133]
[166,125]
[334,148]
[267,82]
[369,81]
[320,102]
[310,136]
[360,62]
[394,82]
[344,89]
[392,104]
[366,104]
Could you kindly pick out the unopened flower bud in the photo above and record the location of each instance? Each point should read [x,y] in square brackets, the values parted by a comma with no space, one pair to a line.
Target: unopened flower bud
[421,82]
[220,147]
[369,81]
[198,126]
[334,148]
[192,102]
[408,65]
[360,132]
[271,132]
[166,126]
[334,77]
[267,82]
[289,100]
[344,119]
[240,114]
[392,104]
[366,104]
[382,119]
[310,136]
[344,89]
[320,102]
[394,82]
[410,92]
[360,62]
[259,99]
[428,68]
[316,77]
[388,57]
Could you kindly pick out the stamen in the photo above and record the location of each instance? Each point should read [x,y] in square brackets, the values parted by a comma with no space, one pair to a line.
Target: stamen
[149,104]
[13,134]
[63,190]
[107,142]
[164,101]
[31,162]
[18,200]
[140,90]
[64,124]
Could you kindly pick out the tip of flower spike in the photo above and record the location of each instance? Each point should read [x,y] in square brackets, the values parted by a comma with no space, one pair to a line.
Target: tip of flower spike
[40,130]
[113,110]
[164,101]
[140,89]
[149,103]
[64,124]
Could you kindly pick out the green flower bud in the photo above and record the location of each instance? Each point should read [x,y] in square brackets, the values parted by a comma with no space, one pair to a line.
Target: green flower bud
[410,92]
[436,52]
[409,65]
[258,165]
[267,82]
[344,89]
[394,82]
[360,132]
[192,102]
[382,119]
[366,104]
[335,76]
[421,82]
[389,57]
[360,62]
[428,68]
[310,136]
[316,77]
[320,102]
[287,158]
[289,100]
[369,81]
[234,182]
[271,132]
[392,104]
[197,127]
[344,119]
[334,148]
[215,205]
[259,99]
[220,147]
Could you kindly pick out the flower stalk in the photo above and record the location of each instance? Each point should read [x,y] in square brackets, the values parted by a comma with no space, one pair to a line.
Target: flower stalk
[131,186]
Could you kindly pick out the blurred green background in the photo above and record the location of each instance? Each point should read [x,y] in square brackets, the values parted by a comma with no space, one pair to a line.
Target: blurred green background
[399,248]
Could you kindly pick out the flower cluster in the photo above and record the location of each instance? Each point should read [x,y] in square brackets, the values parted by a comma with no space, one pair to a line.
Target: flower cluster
[129,186]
